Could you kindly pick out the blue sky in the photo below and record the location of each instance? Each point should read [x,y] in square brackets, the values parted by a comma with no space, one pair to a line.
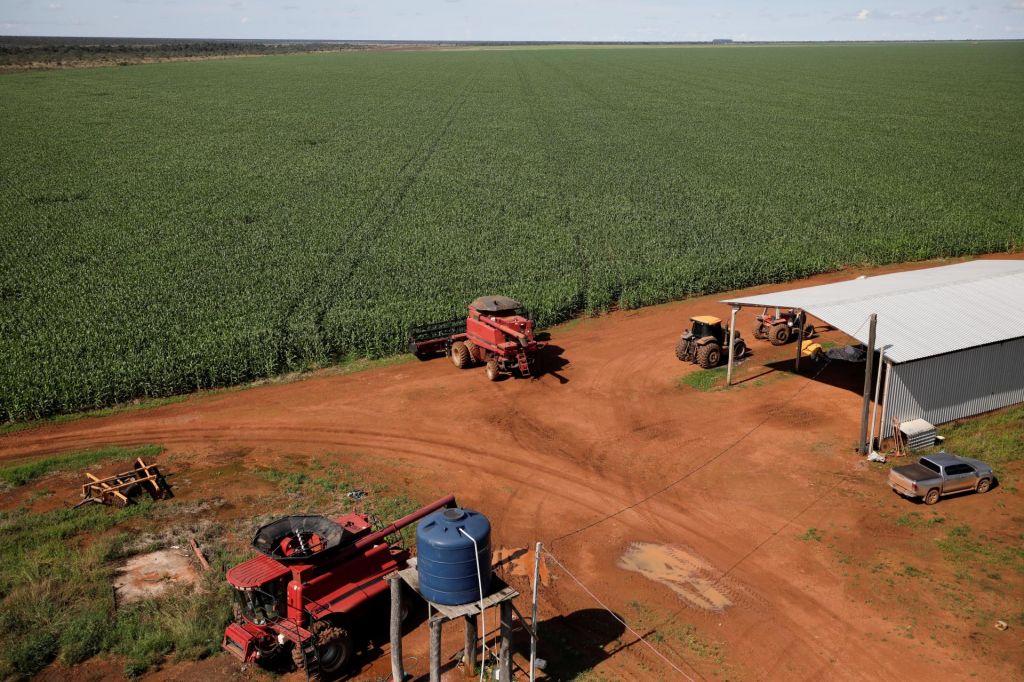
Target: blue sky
[518,19]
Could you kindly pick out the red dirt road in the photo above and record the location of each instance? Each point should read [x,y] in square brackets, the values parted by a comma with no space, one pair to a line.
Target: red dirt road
[608,450]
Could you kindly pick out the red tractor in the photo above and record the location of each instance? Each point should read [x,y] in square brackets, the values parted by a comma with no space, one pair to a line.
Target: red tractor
[782,327]
[497,333]
[311,586]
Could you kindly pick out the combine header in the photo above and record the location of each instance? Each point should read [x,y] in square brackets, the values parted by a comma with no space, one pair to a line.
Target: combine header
[497,333]
[309,590]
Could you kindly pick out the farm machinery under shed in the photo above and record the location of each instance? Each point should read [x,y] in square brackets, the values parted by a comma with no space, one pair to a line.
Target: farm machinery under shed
[497,333]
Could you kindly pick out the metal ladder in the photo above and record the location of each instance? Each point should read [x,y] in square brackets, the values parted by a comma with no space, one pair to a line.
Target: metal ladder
[311,659]
[524,363]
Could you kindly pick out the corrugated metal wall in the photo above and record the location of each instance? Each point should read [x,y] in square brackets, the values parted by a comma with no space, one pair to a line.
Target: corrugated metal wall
[956,385]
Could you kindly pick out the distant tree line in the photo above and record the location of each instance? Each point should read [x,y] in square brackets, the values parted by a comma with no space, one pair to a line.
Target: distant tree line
[16,51]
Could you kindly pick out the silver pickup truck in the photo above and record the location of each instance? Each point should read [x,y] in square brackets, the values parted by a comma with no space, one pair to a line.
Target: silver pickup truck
[940,474]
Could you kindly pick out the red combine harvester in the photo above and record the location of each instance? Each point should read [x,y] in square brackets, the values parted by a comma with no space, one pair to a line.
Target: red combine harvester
[308,591]
[497,332]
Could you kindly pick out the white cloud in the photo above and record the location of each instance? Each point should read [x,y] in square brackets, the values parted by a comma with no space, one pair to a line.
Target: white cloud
[245,20]
[55,7]
[937,17]
[863,14]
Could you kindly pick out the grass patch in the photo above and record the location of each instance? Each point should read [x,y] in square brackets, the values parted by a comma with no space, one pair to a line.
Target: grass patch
[55,586]
[704,380]
[811,534]
[967,550]
[915,520]
[21,474]
[994,439]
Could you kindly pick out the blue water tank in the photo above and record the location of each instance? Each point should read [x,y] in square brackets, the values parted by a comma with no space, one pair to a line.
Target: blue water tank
[445,560]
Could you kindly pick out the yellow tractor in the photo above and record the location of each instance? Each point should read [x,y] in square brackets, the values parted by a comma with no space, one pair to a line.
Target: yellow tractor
[704,341]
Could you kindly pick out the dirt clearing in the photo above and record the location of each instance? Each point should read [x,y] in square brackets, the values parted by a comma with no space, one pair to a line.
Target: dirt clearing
[767,548]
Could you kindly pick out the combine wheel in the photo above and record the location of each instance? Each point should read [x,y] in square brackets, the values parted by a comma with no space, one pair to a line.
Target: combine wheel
[333,647]
[760,332]
[460,355]
[492,370]
[709,355]
[474,352]
[778,334]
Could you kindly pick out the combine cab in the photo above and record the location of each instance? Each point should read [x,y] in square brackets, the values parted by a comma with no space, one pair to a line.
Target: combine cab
[497,333]
[307,592]
[703,342]
[782,327]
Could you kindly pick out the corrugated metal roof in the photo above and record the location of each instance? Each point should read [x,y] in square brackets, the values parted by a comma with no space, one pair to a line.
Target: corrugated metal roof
[921,313]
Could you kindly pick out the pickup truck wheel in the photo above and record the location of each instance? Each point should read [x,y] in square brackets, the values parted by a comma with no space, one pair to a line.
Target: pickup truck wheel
[932,497]
[983,485]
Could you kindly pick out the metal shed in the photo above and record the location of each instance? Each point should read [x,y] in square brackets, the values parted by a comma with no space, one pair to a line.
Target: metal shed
[953,336]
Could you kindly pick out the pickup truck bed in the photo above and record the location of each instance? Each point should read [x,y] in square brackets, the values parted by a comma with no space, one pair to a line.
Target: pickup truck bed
[915,472]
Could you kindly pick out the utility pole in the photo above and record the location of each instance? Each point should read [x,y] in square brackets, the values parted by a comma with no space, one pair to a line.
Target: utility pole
[869,364]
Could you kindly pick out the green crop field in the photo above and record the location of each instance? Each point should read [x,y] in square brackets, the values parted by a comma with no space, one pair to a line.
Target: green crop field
[176,226]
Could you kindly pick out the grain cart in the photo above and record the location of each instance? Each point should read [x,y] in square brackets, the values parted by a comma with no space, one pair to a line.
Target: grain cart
[782,327]
[311,587]
[496,333]
[704,340]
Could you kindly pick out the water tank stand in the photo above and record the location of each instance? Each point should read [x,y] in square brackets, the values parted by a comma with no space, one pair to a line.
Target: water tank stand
[501,596]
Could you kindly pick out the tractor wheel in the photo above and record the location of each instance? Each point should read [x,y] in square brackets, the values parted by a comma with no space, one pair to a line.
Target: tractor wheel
[474,352]
[760,332]
[492,370]
[683,350]
[333,648]
[778,334]
[709,355]
[809,331]
[460,355]
[739,349]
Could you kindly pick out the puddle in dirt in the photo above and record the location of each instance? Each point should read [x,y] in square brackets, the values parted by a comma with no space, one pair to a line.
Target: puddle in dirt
[687,575]
[150,575]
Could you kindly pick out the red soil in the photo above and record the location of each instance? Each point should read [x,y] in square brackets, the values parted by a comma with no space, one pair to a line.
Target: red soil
[608,450]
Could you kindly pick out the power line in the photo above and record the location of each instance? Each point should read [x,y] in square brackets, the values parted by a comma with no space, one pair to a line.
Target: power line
[616,617]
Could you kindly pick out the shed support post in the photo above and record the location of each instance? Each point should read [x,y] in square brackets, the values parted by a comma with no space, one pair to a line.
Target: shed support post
[435,649]
[868,366]
[885,403]
[469,654]
[874,405]
[505,654]
[801,318]
[732,341]
[397,672]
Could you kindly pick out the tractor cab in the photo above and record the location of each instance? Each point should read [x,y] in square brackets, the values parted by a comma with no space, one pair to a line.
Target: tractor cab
[707,325]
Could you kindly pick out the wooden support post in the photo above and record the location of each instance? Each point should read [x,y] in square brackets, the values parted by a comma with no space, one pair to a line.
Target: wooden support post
[732,341]
[469,655]
[397,671]
[435,649]
[505,655]
[869,364]
[801,318]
